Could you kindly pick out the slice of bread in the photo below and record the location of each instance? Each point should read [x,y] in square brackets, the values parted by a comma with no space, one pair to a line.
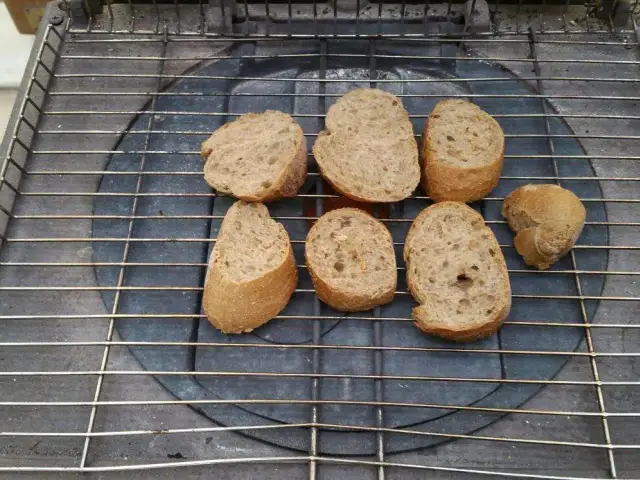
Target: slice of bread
[252,272]
[457,273]
[351,260]
[548,220]
[257,158]
[368,151]
[462,152]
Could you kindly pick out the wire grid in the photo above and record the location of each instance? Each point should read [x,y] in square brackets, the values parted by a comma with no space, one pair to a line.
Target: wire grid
[585,419]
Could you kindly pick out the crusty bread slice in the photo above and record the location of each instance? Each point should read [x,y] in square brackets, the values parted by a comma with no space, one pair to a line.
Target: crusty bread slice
[351,260]
[457,273]
[257,158]
[252,272]
[368,151]
[548,220]
[462,152]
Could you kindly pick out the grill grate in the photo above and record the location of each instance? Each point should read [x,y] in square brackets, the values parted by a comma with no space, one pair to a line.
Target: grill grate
[135,84]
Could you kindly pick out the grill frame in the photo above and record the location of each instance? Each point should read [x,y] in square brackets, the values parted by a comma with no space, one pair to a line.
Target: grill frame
[43,73]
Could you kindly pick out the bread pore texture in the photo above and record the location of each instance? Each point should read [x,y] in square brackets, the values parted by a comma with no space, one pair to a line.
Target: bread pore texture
[351,260]
[457,273]
[368,151]
[462,152]
[252,272]
[259,157]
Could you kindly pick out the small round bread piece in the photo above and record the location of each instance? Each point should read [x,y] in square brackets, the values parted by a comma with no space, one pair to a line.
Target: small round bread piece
[351,260]
[547,219]
[462,152]
[252,272]
[457,273]
[368,151]
[259,157]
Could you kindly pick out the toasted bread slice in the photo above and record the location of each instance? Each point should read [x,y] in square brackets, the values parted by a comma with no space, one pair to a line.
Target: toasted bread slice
[257,158]
[457,273]
[462,152]
[368,151]
[351,260]
[252,272]
[548,220]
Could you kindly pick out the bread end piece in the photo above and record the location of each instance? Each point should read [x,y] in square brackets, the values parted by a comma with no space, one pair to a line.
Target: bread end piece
[236,305]
[462,152]
[547,219]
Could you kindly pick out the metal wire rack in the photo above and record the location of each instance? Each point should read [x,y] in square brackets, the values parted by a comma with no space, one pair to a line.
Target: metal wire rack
[101,88]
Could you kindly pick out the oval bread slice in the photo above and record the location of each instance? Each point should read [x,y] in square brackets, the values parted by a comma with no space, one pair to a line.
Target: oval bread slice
[548,220]
[368,151]
[462,152]
[252,272]
[257,158]
[351,260]
[457,273]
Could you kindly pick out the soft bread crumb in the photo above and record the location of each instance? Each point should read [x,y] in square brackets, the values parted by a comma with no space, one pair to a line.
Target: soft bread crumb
[252,243]
[456,271]
[351,260]
[368,151]
[257,157]
[252,272]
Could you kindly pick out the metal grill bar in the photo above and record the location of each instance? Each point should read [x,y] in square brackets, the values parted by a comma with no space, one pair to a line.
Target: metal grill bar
[161,316]
[583,310]
[214,114]
[380,377]
[443,38]
[301,36]
[272,401]
[289,460]
[348,347]
[377,326]
[341,55]
[128,433]
[298,290]
[316,337]
[319,375]
[313,174]
[121,281]
[218,217]
[213,240]
[335,80]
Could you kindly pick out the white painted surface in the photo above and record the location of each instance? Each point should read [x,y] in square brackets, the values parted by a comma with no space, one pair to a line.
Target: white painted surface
[7,98]
[14,51]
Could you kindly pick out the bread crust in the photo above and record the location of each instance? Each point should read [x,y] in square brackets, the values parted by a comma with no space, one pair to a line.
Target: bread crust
[340,299]
[345,302]
[237,307]
[289,181]
[547,219]
[404,128]
[446,182]
[421,313]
